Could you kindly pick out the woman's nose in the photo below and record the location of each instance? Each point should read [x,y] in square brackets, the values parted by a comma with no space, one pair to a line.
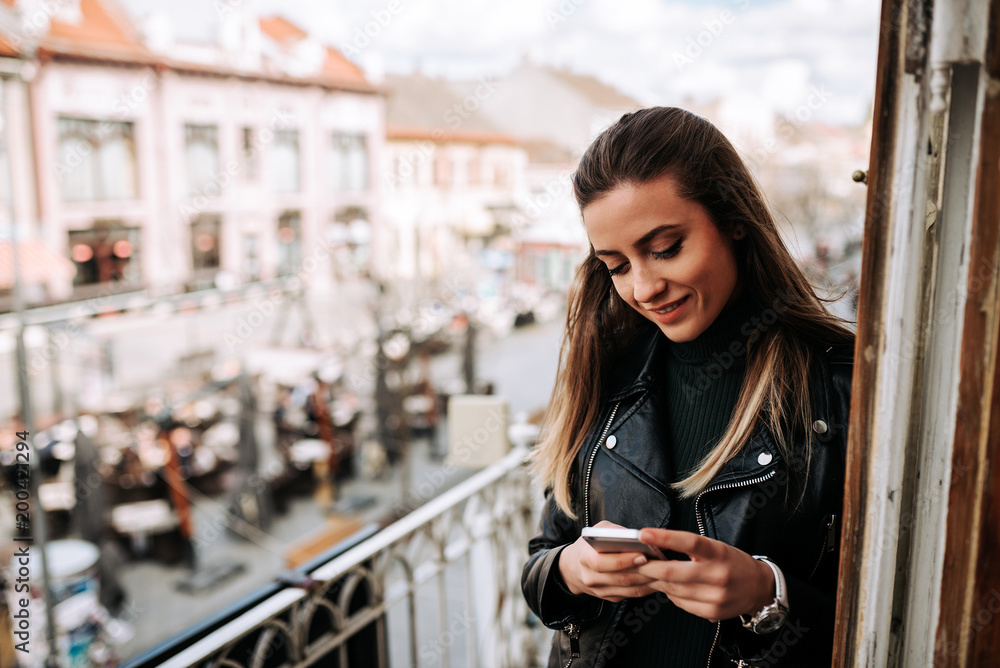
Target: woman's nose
[647,284]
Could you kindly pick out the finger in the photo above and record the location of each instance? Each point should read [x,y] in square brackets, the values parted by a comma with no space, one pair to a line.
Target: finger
[605,524]
[692,594]
[616,594]
[685,572]
[623,579]
[615,561]
[694,545]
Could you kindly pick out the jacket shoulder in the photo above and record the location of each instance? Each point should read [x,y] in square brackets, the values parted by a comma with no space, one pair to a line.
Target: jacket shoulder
[838,364]
[839,354]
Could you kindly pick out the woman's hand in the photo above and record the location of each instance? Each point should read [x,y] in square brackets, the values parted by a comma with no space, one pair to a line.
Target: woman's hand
[719,582]
[611,576]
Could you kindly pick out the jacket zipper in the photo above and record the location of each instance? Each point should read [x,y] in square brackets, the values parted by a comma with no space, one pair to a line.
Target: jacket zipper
[701,530]
[590,465]
[573,630]
[829,539]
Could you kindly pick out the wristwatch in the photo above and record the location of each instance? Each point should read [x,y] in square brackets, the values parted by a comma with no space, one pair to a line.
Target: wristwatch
[771,617]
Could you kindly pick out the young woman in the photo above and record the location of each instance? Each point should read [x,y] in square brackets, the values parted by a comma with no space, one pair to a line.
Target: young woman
[702,396]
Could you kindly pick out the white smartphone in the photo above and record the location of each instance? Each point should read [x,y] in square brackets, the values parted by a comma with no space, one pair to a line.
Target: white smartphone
[619,540]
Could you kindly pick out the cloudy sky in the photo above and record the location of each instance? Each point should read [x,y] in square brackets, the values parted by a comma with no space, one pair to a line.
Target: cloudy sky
[772,53]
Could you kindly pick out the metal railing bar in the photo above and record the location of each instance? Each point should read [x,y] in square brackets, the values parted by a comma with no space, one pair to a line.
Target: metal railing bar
[421,576]
[422,515]
[411,600]
[380,542]
[234,611]
[472,649]
[455,551]
[357,622]
[443,616]
[425,572]
[140,299]
[383,657]
[235,629]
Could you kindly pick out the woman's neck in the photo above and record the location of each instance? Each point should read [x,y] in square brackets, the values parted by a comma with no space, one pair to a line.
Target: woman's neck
[725,338]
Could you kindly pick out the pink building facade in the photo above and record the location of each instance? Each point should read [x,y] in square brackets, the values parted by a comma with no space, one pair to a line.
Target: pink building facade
[169,166]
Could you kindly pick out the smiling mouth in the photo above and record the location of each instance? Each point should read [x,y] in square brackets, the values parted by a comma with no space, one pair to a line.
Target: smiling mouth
[671,307]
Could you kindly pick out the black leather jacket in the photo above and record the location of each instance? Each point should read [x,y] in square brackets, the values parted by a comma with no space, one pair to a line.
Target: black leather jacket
[749,505]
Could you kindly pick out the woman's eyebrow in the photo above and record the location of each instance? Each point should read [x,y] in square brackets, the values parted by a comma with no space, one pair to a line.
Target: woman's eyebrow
[643,240]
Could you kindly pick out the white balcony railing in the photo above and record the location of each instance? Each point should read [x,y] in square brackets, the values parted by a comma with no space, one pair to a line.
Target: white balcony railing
[440,587]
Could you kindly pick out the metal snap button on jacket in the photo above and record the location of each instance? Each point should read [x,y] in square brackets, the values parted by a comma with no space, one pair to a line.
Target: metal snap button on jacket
[819,427]
[611,441]
[764,458]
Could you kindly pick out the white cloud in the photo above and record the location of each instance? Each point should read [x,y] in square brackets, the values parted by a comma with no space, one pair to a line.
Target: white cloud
[641,17]
[772,51]
[786,83]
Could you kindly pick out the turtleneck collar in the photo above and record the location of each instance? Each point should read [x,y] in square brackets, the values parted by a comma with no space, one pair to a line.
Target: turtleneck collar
[727,329]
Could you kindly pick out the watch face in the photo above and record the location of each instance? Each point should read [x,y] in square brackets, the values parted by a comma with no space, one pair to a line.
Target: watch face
[770,620]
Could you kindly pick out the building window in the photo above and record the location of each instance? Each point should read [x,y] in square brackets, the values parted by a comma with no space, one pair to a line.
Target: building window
[350,237]
[289,242]
[201,146]
[251,261]
[249,154]
[402,170]
[97,160]
[442,170]
[285,161]
[501,175]
[475,170]
[106,253]
[459,172]
[349,162]
[205,236]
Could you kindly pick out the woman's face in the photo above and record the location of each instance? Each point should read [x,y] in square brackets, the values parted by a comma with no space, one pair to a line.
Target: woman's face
[666,257]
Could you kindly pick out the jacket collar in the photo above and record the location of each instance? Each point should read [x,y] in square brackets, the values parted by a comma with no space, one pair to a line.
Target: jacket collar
[637,369]
[757,457]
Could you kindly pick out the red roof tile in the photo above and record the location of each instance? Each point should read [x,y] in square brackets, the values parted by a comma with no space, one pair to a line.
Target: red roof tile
[336,68]
[402,132]
[359,85]
[6,48]
[103,32]
[281,29]
[339,68]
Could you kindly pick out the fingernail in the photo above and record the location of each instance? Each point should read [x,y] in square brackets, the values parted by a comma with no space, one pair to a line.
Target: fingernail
[639,561]
[645,536]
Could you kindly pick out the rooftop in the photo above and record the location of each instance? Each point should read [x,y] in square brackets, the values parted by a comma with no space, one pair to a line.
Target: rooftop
[419,107]
[598,92]
[191,36]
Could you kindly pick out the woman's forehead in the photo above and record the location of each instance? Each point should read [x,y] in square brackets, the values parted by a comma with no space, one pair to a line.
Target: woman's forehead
[633,215]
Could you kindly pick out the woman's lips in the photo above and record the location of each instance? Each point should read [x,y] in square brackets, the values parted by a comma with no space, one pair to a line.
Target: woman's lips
[671,311]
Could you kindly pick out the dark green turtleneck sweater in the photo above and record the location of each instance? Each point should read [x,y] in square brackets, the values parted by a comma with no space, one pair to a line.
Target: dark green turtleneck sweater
[702,381]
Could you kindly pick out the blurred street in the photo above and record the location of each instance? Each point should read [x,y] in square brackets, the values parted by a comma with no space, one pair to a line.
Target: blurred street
[522,367]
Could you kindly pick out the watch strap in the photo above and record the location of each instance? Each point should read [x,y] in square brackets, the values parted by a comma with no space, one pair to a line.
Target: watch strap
[773,615]
[780,590]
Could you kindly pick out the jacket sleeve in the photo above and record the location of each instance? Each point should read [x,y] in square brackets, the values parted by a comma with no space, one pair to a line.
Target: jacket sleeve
[542,584]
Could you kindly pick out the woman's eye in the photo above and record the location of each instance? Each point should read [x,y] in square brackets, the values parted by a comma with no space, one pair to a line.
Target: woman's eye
[670,252]
[614,271]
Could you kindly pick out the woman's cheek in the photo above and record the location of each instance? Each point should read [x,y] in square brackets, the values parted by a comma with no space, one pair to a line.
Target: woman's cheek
[624,289]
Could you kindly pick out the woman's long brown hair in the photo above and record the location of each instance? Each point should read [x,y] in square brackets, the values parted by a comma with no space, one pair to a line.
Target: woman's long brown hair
[706,168]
